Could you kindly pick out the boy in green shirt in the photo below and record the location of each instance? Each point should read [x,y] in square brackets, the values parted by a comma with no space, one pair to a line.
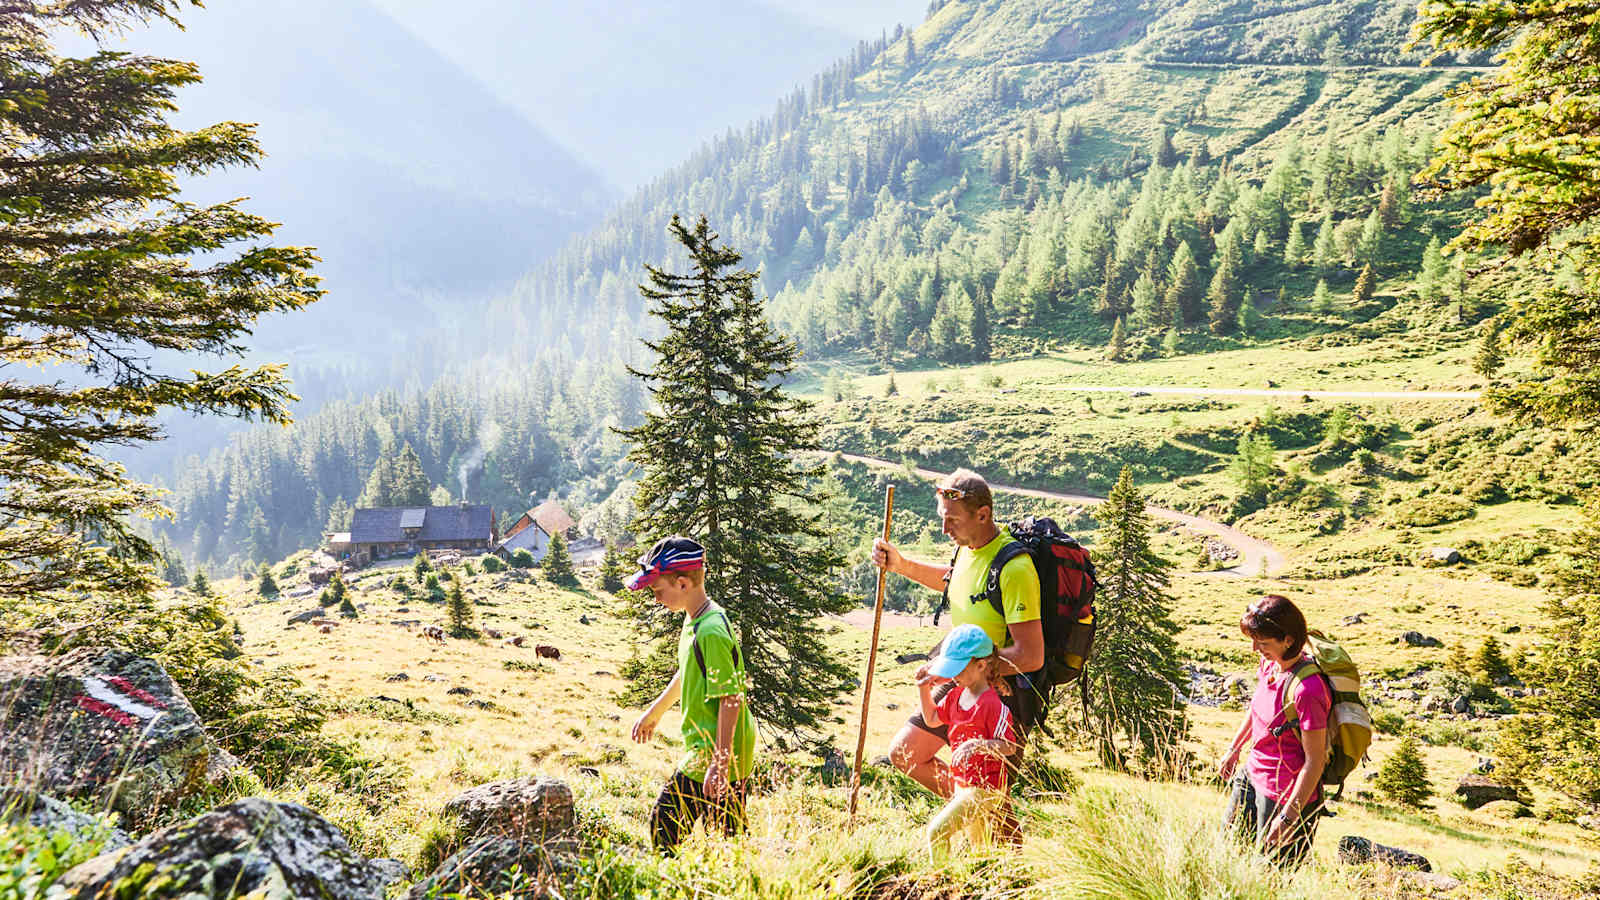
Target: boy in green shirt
[712,780]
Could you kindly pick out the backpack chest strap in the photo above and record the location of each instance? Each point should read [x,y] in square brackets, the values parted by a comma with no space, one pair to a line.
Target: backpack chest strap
[1302,670]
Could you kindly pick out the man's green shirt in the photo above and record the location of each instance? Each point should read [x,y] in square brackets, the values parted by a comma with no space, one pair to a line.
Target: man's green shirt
[703,693]
[1019,590]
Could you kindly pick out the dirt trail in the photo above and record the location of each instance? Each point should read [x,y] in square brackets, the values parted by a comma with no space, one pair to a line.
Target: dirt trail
[1260,392]
[1255,555]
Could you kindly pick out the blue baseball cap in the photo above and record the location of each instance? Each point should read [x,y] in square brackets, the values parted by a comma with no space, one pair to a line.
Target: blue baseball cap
[962,645]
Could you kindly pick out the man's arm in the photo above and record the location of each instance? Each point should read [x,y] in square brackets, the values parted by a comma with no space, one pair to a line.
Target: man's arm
[722,757]
[887,557]
[1019,593]
[646,726]
[1026,653]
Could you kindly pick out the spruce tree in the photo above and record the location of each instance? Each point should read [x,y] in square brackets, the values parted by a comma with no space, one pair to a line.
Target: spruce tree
[1324,252]
[1183,284]
[420,566]
[1117,347]
[558,563]
[1489,359]
[459,609]
[1366,283]
[411,484]
[1172,342]
[720,461]
[1294,252]
[1432,278]
[1252,464]
[1490,663]
[200,584]
[1162,153]
[339,515]
[981,337]
[109,278]
[1134,674]
[1322,298]
[1554,742]
[380,487]
[1403,777]
[265,585]
[889,390]
[614,569]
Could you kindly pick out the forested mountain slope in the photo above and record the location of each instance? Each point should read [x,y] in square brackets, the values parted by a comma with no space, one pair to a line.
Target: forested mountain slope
[1007,175]
[949,149]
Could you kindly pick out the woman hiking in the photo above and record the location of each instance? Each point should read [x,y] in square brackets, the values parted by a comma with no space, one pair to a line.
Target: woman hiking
[1276,799]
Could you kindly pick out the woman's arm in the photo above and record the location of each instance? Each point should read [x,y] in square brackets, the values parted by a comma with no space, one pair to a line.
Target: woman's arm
[1305,786]
[1230,760]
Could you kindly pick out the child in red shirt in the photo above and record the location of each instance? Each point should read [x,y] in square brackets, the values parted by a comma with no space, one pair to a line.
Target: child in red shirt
[981,735]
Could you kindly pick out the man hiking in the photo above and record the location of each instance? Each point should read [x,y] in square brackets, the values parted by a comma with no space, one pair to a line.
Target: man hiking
[966,509]
[719,735]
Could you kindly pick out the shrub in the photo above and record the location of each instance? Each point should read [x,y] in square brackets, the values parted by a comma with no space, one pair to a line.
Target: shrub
[33,859]
[1403,777]
[491,564]
[265,585]
[522,559]
[1424,512]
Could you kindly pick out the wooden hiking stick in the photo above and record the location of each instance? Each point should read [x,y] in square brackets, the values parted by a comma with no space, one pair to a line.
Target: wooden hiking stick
[872,658]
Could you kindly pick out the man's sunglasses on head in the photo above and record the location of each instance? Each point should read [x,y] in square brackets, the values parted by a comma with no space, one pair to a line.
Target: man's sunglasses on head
[949,493]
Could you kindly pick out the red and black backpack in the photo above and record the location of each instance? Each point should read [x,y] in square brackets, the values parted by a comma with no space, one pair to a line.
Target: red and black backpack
[1067,584]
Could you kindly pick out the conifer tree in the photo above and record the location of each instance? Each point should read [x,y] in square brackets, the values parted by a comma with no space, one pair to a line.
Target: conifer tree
[1322,298]
[1366,283]
[109,274]
[1490,663]
[558,563]
[889,390]
[380,488]
[411,484]
[1162,153]
[1435,272]
[1294,251]
[200,584]
[420,566]
[1403,777]
[1146,302]
[1222,296]
[1183,284]
[720,461]
[1135,671]
[981,337]
[1555,742]
[1252,464]
[614,569]
[172,569]
[1324,251]
[1489,359]
[1116,348]
[339,515]
[1172,342]
[459,609]
[266,586]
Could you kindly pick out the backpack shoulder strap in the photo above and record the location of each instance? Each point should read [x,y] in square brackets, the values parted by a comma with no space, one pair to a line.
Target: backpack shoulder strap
[1302,670]
[991,589]
[944,599]
[700,655]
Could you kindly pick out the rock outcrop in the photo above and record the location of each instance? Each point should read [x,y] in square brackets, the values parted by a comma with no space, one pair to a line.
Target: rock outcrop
[43,811]
[101,724]
[1355,851]
[251,848]
[492,866]
[1475,790]
[521,808]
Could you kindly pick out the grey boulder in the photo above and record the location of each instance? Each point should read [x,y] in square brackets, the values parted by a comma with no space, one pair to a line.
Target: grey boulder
[101,724]
[531,808]
[252,848]
[492,866]
[1475,790]
[25,807]
[1355,851]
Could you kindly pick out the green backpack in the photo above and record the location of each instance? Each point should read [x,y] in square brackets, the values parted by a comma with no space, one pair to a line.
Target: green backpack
[1349,724]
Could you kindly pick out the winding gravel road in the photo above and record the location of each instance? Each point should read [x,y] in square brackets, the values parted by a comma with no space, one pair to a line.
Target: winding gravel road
[1255,555]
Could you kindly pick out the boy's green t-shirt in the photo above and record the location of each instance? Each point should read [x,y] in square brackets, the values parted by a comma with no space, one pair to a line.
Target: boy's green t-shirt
[702,693]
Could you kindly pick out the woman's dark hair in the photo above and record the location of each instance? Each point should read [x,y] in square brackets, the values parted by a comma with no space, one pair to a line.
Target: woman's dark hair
[1276,618]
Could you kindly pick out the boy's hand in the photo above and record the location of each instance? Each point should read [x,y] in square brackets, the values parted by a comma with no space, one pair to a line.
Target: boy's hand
[716,781]
[646,726]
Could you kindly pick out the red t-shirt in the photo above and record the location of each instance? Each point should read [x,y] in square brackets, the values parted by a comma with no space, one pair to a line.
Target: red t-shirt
[984,717]
[1275,762]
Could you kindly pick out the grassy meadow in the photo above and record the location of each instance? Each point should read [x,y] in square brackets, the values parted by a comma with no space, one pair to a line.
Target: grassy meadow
[526,716]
